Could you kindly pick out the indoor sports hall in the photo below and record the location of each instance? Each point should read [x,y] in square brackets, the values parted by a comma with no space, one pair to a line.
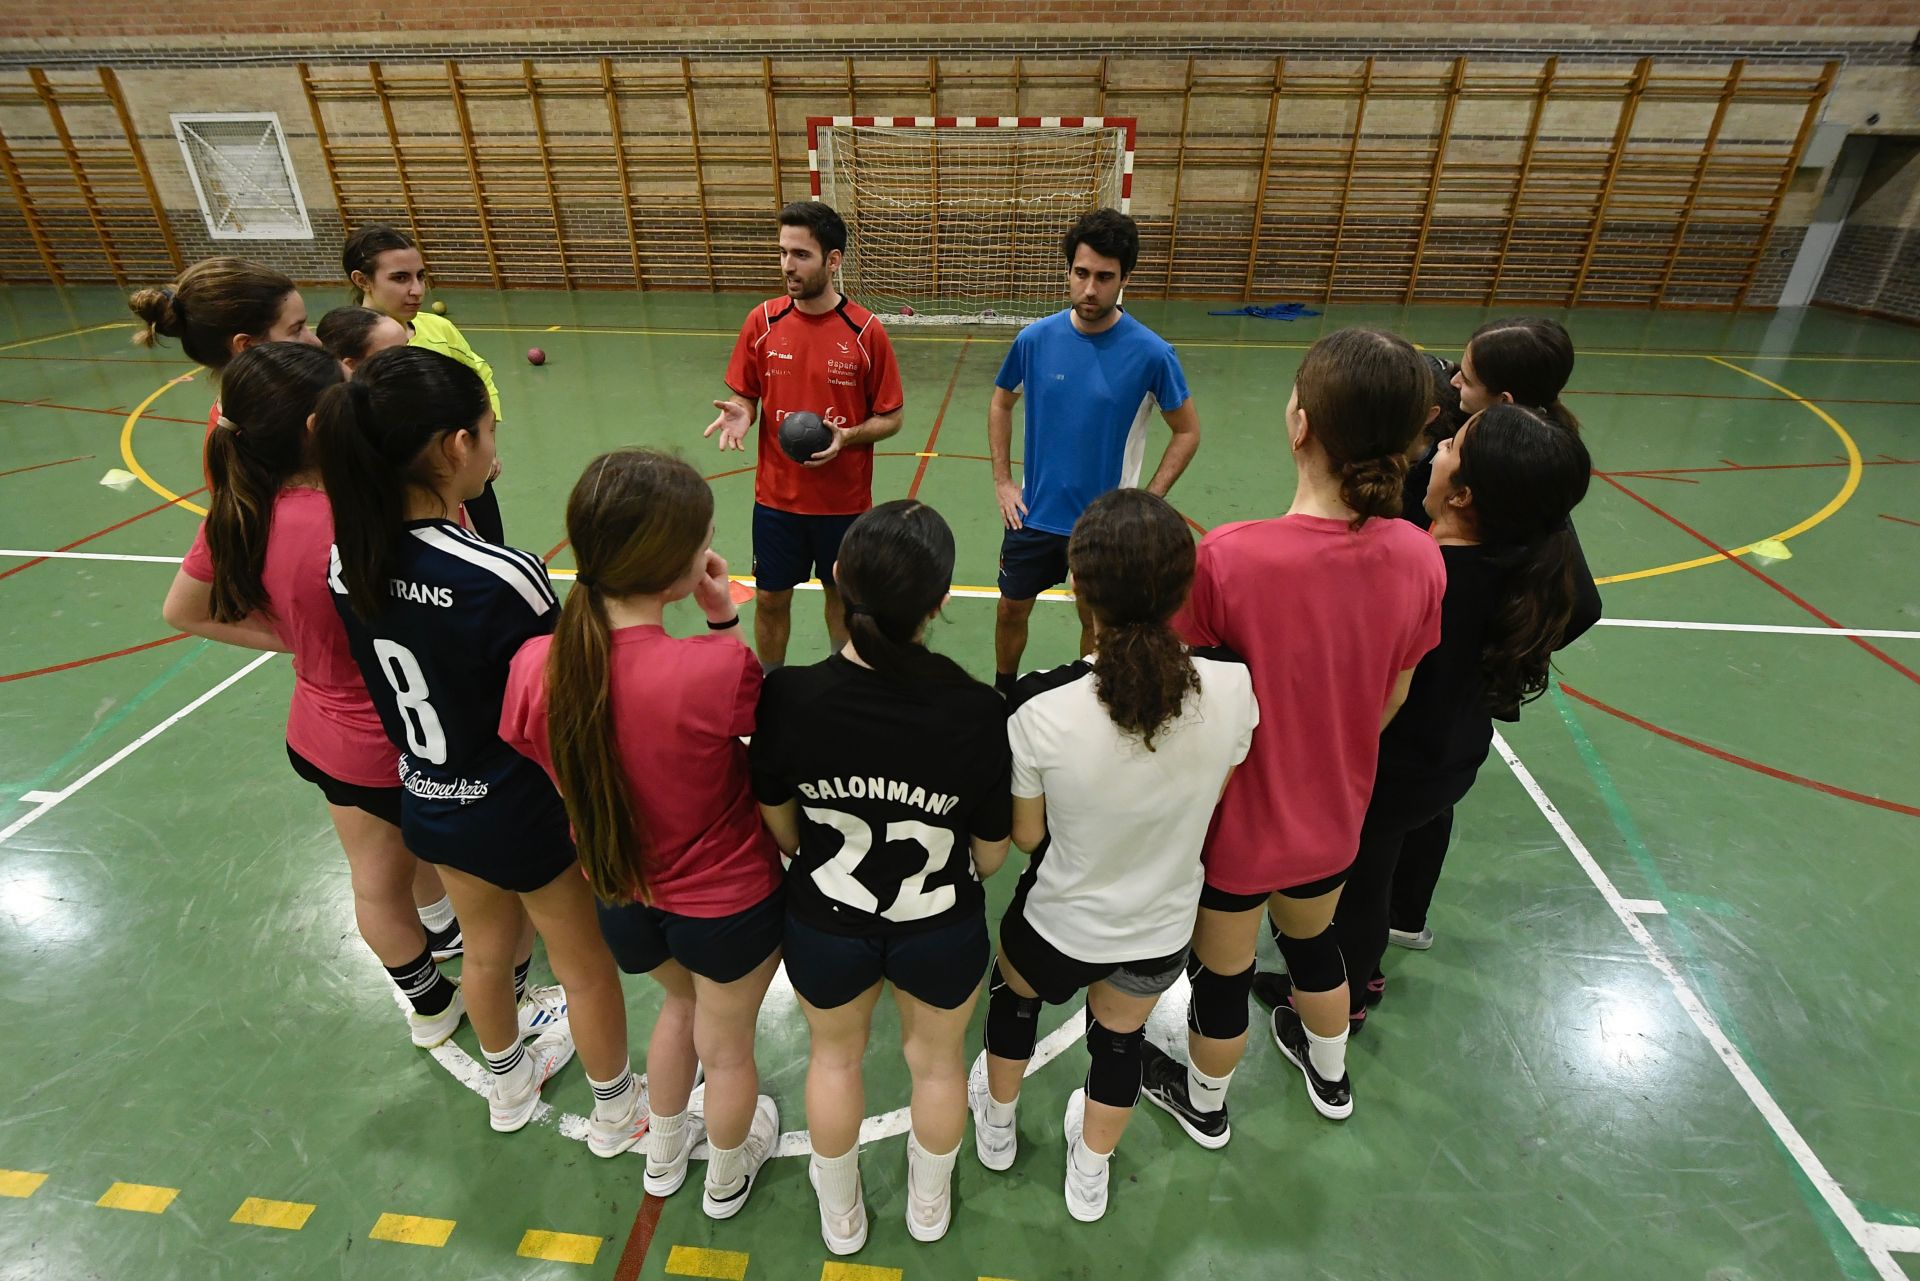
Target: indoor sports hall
[1664,1029]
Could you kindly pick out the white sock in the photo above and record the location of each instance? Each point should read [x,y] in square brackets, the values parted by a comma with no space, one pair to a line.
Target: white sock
[999,1113]
[512,1073]
[838,1180]
[665,1134]
[1206,1093]
[612,1100]
[1328,1054]
[931,1174]
[437,916]
[1086,1160]
[726,1167]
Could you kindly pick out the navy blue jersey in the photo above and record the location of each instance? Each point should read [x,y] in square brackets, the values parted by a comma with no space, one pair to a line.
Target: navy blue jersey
[435,661]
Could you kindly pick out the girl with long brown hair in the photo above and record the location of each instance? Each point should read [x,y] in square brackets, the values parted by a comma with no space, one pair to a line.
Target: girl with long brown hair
[1331,606]
[641,732]
[1118,761]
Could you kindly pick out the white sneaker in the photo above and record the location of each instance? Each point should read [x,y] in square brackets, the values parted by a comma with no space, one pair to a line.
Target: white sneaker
[1419,942]
[611,1138]
[429,1030]
[1086,1194]
[761,1137]
[667,1171]
[545,1008]
[843,1233]
[547,1055]
[927,1220]
[995,1145]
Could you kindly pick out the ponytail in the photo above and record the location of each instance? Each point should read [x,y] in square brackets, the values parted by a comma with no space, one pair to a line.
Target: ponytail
[1366,395]
[894,568]
[368,437]
[259,445]
[636,520]
[1374,487]
[1525,475]
[1529,358]
[1133,563]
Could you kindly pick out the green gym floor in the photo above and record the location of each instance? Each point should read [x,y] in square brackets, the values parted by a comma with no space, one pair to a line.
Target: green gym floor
[1666,1031]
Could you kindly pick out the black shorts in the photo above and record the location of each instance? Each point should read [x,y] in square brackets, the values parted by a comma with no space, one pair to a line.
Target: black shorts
[515,838]
[381,802]
[1055,977]
[1031,560]
[789,548]
[940,967]
[723,949]
[1219,900]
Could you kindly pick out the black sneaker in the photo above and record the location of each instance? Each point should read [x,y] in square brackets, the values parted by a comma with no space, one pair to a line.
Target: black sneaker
[446,944]
[1331,1099]
[1163,1079]
[1276,990]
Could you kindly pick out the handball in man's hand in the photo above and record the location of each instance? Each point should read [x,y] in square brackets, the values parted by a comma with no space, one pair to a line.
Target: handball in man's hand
[802,435]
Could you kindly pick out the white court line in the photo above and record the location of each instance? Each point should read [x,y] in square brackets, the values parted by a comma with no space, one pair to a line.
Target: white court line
[1872,1238]
[987,593]
[1896,1236]
[55,799]
[464,1069]
[1644,906]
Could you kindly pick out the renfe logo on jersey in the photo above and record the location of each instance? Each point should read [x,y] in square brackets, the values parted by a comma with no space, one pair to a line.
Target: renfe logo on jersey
[832,417]
[879,789]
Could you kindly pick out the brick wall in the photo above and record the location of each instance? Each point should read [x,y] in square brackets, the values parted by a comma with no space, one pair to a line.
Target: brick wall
[32,19]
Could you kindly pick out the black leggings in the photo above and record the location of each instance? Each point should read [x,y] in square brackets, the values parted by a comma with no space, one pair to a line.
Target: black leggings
[1402,818]
[484,512]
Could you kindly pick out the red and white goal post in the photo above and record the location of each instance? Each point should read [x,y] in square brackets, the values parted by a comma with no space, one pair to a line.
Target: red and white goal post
[958,219]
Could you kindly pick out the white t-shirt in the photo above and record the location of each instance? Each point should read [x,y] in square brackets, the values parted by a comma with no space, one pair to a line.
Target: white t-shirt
[1120,878]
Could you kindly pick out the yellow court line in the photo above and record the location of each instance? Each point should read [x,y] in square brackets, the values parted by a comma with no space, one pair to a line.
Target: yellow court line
[1834,504]
[411,1229]
[718,1265]
[126,444]
[71,333]
[559,1247]
[834,1270]
[262,1213]
[141,1198]
[20,1183]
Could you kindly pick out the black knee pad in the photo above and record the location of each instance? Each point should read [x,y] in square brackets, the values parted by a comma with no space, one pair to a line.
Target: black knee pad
[1218,1008]
[1314,964]
[1013,1021]
[1113,1075]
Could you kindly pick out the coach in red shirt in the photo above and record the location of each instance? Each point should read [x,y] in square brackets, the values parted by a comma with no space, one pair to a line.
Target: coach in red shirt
[812,349]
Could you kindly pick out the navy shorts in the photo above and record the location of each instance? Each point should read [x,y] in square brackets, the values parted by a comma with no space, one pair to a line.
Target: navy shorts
[381,802]
[723,949]
[1215,899]
[515,838]
[789,548]
[940,967]
[1031,560]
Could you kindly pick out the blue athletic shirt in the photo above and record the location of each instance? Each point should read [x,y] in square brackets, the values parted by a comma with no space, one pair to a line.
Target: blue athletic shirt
[435,661]
[1087,400]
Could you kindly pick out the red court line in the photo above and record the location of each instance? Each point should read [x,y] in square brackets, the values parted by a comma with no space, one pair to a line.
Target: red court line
[926,454]
[90,360]
[41,466]
[1799,780]
[639,1240]
[562,544]
[1770,581]
[1900,520]
[97,658]
[112,413]
[1668,473]
[98,533]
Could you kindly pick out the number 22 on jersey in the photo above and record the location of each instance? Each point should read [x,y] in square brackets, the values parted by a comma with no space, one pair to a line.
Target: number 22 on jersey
[838,878]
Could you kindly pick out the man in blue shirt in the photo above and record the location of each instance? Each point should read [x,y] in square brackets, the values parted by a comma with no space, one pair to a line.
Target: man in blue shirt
[1090,374]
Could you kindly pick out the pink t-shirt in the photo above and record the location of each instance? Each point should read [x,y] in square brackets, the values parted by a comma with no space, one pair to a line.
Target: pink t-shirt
[680,709]
[331,720]
[1327,618]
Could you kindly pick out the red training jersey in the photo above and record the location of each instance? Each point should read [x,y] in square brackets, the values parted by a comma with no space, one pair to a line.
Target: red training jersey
[839,365]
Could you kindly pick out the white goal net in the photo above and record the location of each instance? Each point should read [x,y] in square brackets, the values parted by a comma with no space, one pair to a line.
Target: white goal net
[959,220]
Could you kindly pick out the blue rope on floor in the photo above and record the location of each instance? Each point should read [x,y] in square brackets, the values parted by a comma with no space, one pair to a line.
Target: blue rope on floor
[1271,311]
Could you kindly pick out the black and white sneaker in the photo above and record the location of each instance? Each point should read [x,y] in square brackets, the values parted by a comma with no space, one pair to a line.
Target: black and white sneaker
[1331,1099]
[1163,1079]
[446,944]
[1276,990]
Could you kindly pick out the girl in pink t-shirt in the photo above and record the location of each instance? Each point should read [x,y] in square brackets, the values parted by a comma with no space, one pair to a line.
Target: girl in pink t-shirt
[1331,606]
[256,576]
[641,732]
